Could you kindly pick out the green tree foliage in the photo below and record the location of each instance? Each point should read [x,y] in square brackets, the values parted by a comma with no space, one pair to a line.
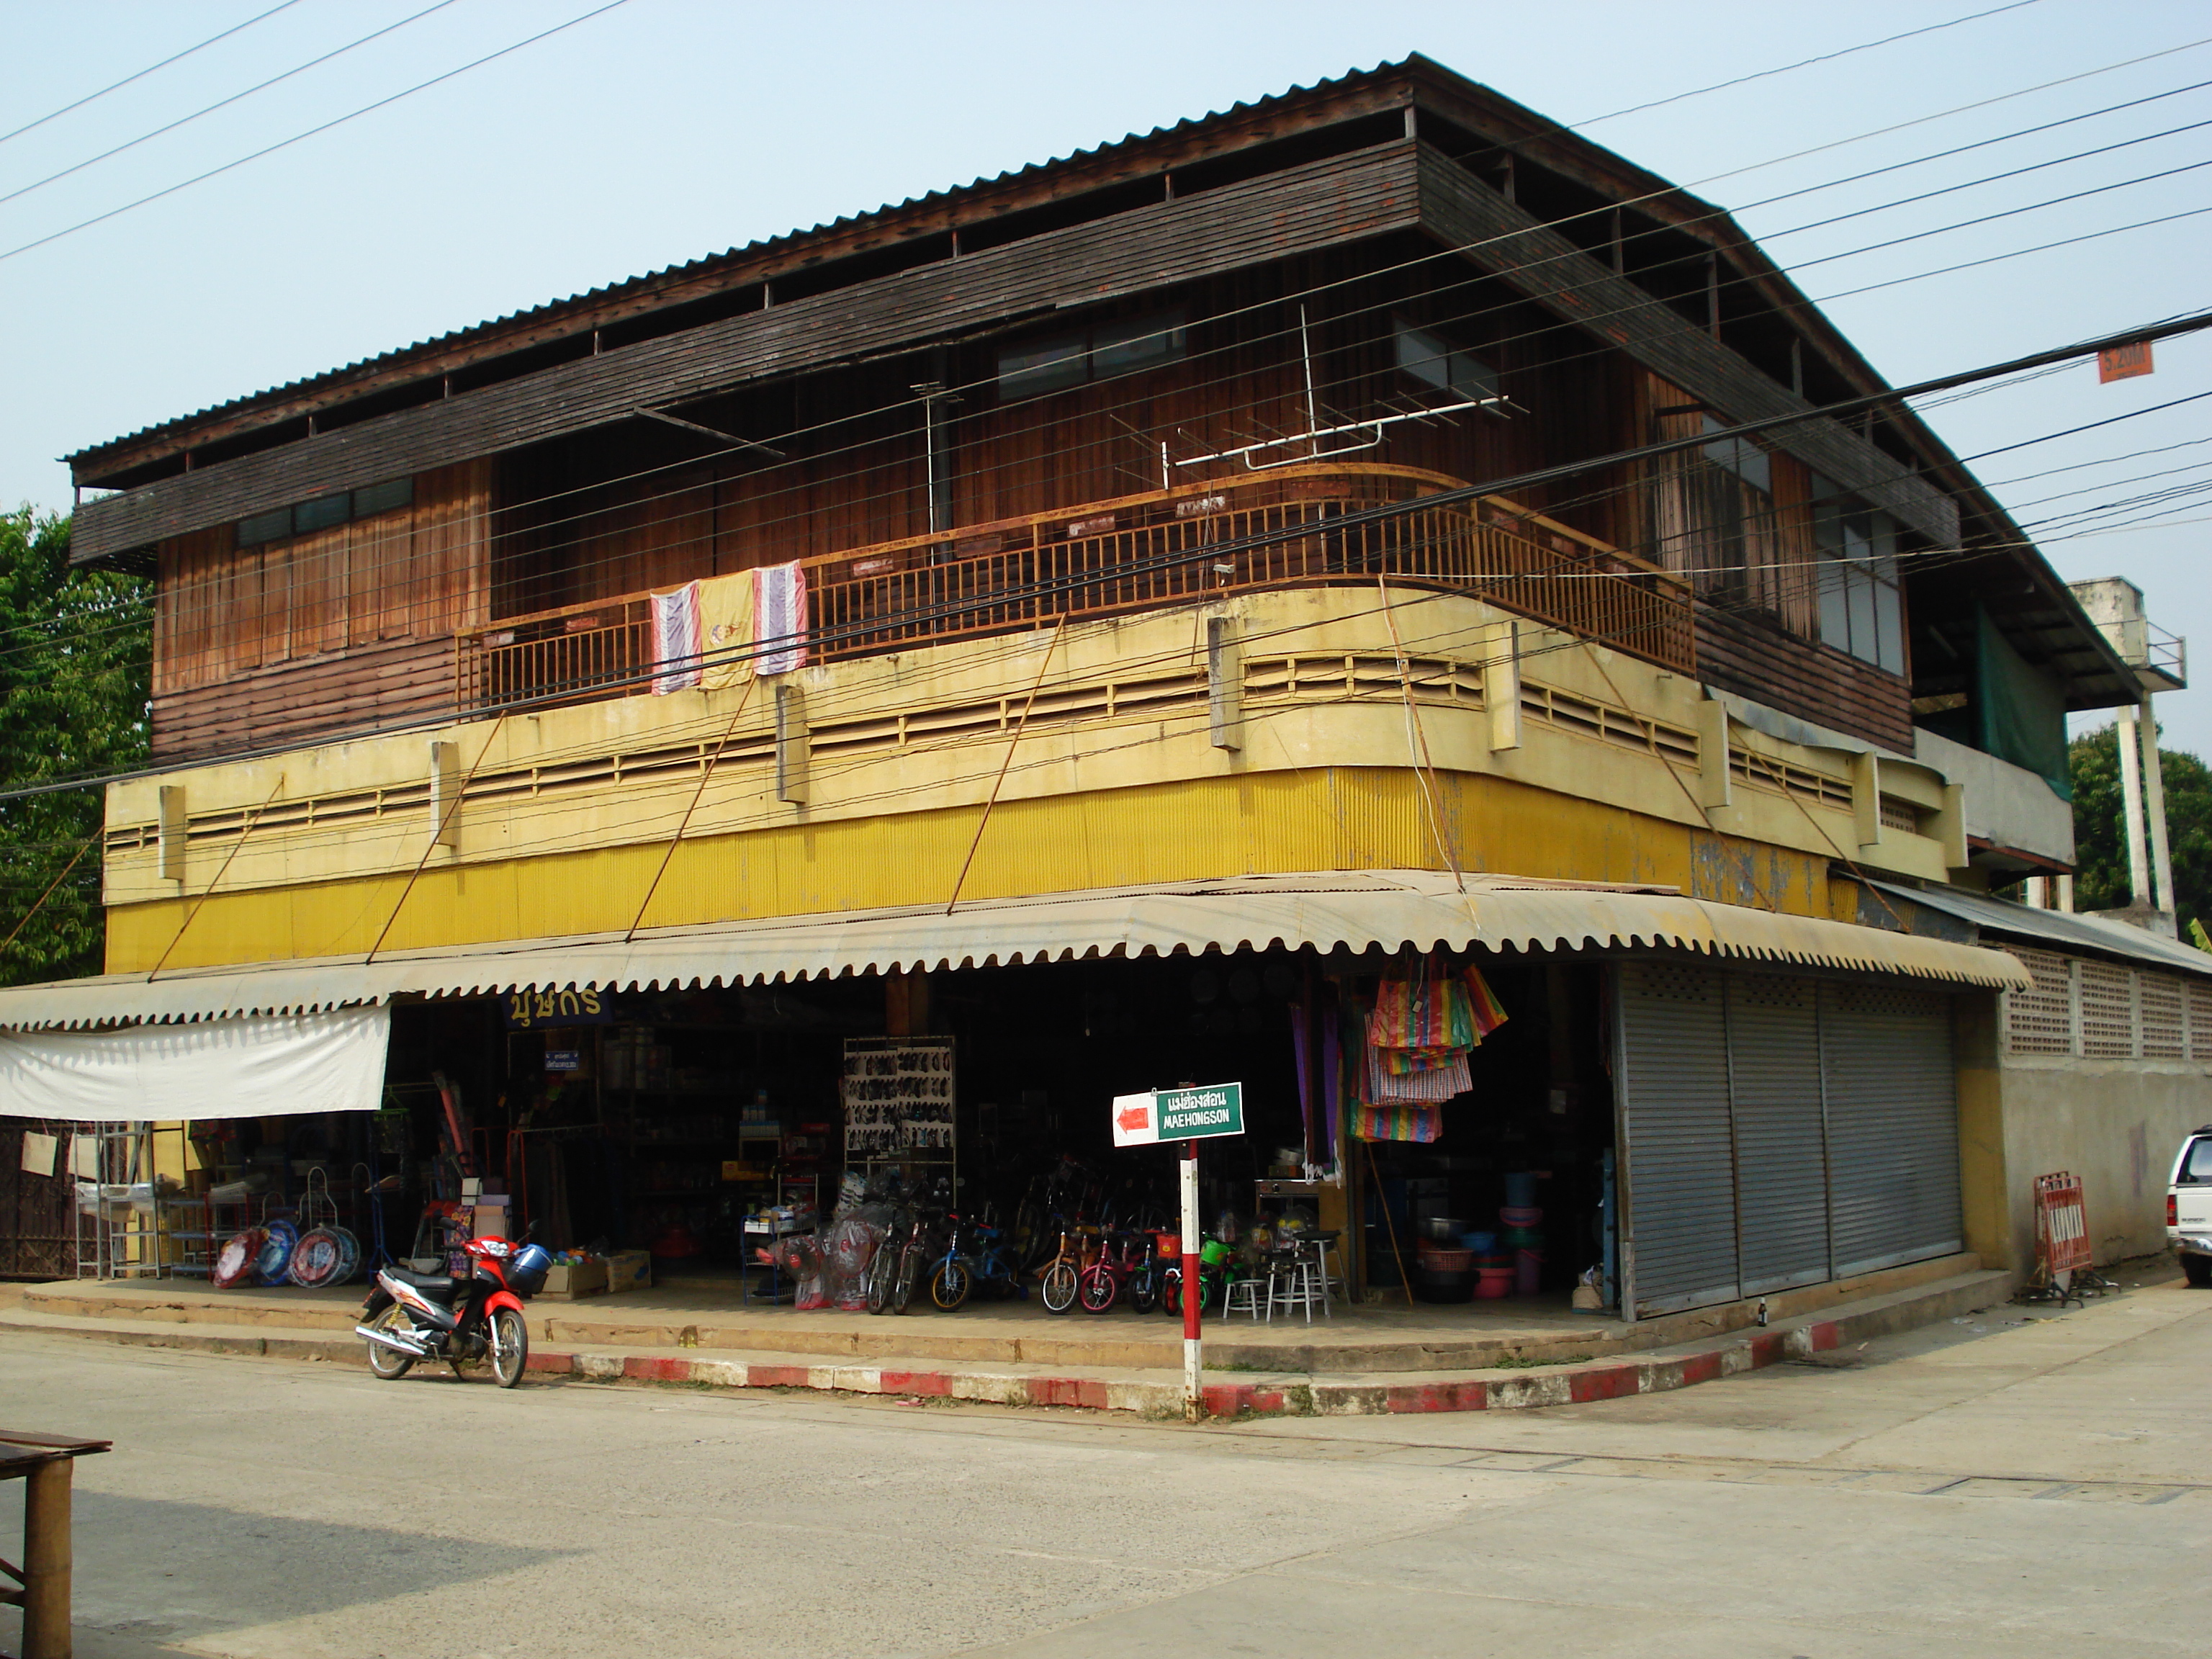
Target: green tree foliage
[2101,881]
[75,662]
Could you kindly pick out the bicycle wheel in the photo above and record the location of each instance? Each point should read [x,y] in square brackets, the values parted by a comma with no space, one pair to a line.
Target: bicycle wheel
[1099,1291]
[909,1269]
[883,1270]
[1059,1287]
[1172,1293]
[390,1364]
[510,1347]
[950,1284]
[1145,1291]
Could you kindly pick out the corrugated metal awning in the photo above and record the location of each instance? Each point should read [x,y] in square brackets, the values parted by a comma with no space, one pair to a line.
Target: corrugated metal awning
[1392,910]
[2059,930]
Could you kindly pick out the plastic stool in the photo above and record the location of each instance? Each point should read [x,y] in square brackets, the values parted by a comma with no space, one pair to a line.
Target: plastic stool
[1332,1280]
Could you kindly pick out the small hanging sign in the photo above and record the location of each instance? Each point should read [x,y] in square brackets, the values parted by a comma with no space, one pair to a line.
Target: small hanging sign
[2123,362]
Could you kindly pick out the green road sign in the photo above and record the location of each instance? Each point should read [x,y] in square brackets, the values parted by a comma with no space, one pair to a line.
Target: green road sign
[1211,1108]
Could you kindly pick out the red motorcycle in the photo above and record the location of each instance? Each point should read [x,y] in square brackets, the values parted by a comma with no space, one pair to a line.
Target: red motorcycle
[411,1316]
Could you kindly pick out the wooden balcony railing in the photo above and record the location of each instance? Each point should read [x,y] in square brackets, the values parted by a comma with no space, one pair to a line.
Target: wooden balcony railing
[1290,528]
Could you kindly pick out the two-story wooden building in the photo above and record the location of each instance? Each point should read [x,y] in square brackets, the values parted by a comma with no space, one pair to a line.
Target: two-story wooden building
[1118,616]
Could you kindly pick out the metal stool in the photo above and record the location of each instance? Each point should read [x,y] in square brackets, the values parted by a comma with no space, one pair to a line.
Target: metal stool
[1332,1281]
[1294,1281]
[1250,1287]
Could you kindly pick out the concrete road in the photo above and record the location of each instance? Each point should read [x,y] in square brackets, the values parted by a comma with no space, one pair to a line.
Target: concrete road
[1992,1488]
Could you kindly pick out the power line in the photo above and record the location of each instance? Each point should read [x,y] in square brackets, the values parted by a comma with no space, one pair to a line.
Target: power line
[297,137]
[224,103]
[1339,524]
[1804,62]
[117,86]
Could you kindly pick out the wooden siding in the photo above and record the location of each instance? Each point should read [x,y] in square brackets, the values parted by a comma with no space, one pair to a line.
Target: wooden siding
[1342,199]
[1754,657]
[417,573]
[617,511]
[358,691]
[1495,234]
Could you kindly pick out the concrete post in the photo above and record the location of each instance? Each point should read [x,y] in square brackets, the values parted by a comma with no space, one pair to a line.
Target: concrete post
[2131,801]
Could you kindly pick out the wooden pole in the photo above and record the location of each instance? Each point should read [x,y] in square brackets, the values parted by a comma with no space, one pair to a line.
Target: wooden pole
[46,1560]
[1375,1179]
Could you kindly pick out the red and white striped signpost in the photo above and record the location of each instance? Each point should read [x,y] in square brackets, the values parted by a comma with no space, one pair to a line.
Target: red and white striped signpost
[1188,1114]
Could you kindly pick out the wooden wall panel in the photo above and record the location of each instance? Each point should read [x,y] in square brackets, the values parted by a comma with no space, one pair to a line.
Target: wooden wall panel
[1341,199]
[387,683]
[1754,657]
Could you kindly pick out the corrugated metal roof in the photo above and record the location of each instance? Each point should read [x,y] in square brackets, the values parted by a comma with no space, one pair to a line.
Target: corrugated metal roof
[2060,928]
[750,250]
[1394,910]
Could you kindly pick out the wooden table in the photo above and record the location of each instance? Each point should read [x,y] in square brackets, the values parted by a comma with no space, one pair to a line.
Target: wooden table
[42,1463]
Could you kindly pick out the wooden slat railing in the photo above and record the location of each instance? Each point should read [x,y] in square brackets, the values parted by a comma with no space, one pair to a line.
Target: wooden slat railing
[1134,554]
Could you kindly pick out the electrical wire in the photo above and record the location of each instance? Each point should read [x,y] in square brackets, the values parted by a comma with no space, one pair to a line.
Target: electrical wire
[224,103]
[173,57]
[299,138]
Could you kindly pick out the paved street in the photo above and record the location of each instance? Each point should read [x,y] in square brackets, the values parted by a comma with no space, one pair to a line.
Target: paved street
[1990,1488]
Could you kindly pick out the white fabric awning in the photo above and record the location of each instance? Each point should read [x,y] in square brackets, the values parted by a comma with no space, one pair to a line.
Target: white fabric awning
[279,1066]
[1393,909]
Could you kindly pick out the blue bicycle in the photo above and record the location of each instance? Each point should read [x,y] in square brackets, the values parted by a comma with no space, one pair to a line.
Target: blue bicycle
[975,1256]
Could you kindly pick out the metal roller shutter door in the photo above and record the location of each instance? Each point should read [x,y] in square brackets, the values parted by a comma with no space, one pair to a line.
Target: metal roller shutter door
[1679,1156]
[1892,1126]
[1781,1144]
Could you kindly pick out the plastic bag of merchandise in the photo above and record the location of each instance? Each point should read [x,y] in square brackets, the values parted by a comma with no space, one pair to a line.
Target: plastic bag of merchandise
[850,1246]
[800,1257]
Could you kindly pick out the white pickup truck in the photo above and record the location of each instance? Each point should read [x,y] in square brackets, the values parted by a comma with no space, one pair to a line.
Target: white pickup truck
[2189,1208]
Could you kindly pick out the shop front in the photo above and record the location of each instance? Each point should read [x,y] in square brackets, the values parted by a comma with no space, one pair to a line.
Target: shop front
[1486,1097]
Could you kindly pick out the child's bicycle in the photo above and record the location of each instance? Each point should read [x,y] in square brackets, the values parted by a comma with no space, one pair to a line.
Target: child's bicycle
[973,1257]
[1126,1262]
[1214,1260]
[1061,1280]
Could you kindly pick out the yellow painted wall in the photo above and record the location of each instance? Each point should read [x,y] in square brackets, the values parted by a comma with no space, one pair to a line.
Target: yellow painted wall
[1333,819]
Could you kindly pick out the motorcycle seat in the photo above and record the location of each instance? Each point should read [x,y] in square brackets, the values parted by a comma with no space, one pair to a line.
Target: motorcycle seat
[439,1287]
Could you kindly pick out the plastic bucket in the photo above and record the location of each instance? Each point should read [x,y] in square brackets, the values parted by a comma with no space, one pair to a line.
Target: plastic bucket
[1527,1272]
[1490,1283]
[1520,1215]
[1480,1243]
[1524,1238]
[1169,1246]
[1521,1189]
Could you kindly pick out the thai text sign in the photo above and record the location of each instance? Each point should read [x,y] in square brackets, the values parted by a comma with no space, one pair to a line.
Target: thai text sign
[1212,1108]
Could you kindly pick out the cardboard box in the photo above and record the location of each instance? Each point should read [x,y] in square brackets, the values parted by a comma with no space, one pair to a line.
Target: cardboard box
[571,1281]
[487,1219]
[629,1270]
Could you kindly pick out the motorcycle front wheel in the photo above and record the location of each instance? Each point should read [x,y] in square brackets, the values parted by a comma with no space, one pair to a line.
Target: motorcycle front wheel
[390,1364]
[510,1347]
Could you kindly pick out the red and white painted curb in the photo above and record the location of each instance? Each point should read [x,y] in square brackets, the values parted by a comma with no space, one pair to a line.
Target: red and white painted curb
[1563,1385]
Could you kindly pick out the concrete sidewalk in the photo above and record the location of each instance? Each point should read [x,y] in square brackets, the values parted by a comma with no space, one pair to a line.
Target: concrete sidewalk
[1273,1370]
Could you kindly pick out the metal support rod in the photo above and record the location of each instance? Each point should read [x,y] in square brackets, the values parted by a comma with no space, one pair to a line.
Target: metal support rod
[1193,1291]
[1305,352]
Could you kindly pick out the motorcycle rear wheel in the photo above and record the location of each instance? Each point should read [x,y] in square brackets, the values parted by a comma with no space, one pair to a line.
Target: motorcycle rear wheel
[510,1347]
[389,1364]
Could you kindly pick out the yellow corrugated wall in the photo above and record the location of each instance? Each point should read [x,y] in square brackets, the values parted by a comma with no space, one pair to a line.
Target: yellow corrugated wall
[1329,819]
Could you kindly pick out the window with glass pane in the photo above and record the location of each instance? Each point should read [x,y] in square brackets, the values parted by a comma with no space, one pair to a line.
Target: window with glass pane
[1044,365]
[1129,343]
[1435,364]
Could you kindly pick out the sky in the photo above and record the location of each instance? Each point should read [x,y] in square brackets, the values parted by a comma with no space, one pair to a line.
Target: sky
[659,131]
